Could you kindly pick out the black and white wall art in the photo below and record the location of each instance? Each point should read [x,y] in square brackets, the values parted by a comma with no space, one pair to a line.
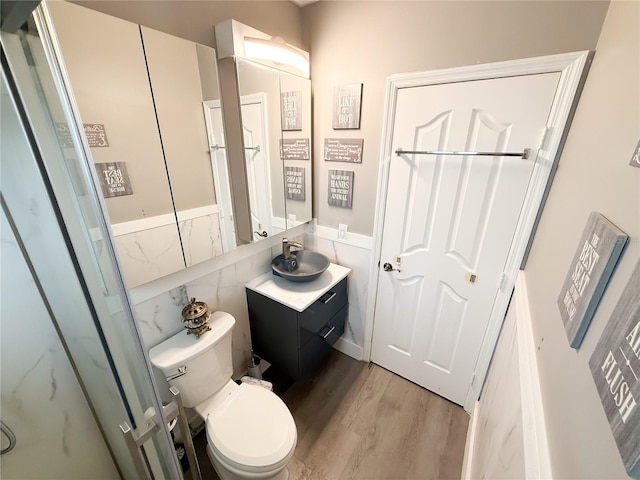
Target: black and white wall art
[294,182]
[114,179]
[295,149]
[593,263]
[340,192]
[347,101]
[291,109]
[343,150]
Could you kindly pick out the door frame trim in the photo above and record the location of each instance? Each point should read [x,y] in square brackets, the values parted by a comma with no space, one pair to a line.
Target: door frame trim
[572,68]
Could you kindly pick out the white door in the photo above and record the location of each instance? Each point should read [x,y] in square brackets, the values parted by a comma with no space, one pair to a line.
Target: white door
[450,220]
[257,156]
[215,132]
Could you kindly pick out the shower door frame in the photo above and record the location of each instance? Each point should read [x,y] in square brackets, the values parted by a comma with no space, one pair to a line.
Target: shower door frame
[83,225]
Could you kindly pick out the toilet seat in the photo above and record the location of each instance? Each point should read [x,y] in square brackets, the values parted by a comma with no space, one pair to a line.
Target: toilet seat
[252,430]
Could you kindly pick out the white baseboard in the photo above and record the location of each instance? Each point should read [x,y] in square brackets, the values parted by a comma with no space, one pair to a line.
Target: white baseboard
[469,447]
[349,348]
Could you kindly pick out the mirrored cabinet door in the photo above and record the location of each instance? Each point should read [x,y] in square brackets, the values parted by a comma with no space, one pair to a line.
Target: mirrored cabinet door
[296,148]
[105,62]
[259,91]
[142,97]
[180,73]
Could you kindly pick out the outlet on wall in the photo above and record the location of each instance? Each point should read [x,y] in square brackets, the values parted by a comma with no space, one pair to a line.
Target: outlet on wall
[342,230]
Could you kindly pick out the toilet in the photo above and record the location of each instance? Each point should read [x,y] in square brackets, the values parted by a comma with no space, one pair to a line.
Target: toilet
[250,432]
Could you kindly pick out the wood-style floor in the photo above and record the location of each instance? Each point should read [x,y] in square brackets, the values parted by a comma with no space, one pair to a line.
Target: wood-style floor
[360,421]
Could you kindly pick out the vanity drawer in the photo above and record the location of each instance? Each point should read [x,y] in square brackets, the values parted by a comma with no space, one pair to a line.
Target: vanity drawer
[334,328]
[320,345]
[314,318]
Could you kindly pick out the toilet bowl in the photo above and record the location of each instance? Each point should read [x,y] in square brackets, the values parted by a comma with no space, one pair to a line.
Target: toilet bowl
[250,432]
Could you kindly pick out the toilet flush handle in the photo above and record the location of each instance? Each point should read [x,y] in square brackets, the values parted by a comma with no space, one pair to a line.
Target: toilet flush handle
[181,371]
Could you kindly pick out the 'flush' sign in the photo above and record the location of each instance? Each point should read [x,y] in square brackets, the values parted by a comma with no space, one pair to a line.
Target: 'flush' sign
[615,366]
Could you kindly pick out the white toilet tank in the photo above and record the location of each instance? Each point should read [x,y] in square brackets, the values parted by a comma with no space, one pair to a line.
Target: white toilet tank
[207,359]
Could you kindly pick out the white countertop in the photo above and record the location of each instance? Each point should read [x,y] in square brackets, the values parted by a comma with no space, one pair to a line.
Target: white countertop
[298,295]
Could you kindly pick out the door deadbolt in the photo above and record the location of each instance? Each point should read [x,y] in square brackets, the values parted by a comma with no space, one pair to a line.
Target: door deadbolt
[389,268]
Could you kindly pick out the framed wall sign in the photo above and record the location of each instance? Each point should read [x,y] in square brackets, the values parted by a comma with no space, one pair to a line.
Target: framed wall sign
[343,150]
[95,133]
[615,366]
[64,135]
[635,158]
[294,183]
[294,149]
[347,101]
[340,188]
[291,108]
[596,256]
[114,179]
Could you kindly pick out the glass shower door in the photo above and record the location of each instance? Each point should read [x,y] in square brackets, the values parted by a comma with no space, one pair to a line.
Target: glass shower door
[50,194]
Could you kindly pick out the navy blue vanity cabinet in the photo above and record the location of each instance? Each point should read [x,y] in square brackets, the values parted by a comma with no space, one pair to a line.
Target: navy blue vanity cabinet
[297,341]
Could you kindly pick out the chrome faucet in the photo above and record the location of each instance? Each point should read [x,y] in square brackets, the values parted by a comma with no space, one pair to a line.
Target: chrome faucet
[286,247]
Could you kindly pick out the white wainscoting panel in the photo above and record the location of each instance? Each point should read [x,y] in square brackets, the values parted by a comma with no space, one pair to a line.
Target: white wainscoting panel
[507,435]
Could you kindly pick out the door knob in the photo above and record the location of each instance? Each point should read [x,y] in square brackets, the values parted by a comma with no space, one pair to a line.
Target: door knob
[389,268]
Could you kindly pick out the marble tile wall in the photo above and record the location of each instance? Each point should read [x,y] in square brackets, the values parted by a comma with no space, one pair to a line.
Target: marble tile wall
[358,259]
[160,317]
[149,254]
[42,402]
[152,253]
[201,238]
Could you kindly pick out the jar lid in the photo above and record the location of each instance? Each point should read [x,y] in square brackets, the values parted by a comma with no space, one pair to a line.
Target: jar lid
[194,310]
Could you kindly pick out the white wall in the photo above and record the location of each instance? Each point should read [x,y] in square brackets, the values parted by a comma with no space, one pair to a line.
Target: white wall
[365,42]
[594,175]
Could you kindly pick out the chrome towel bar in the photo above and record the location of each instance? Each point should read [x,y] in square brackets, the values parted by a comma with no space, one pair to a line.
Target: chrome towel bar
[524,154]
[222,147]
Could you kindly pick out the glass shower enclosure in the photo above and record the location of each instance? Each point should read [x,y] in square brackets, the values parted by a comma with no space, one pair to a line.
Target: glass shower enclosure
[74,372]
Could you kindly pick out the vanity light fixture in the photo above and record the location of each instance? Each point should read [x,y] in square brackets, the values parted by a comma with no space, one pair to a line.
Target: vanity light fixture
[276,51]
[235,39]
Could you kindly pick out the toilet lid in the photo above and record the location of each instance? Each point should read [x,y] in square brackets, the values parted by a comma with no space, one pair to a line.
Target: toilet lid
[252,427]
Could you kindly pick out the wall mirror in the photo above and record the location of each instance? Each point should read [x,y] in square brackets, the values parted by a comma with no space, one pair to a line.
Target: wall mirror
[270,151]
[147,101]
[259,90]
[295,92]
